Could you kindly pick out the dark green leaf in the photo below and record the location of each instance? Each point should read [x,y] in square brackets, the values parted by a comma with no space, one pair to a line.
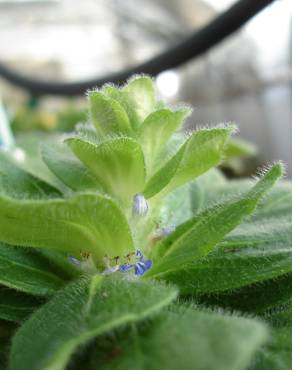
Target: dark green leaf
[256,298]
[198,236]
[85,309]
[15,306]
[187,340]
[26,271]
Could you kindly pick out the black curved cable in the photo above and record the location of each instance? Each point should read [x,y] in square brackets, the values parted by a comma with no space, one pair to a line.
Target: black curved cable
[193,46]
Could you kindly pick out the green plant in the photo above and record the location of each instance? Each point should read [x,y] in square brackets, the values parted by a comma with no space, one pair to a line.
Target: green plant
[142,255]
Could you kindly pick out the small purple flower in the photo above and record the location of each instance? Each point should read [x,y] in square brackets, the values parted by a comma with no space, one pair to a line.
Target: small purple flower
[139,254]
[140,205]
[140,267]
[126,267]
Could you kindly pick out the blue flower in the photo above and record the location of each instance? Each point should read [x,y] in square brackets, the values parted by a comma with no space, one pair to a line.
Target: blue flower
[126,267]
[140,267]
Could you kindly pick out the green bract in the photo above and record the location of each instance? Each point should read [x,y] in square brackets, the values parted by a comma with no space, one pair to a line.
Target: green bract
[122,247]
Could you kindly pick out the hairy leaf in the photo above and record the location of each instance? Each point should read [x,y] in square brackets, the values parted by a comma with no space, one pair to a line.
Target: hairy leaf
[85,309]
[26,271]
[203,150]
[176,207]
[183,339]
[64,165]
[15,306]
[257,298]
[277,354]
[239,148]
[84,223]
[108,115]
[17,183]
[157,129]
[198,236]
[118,164]
[263,253]
[140,96]
[204,187]
[33,163]
[137,98]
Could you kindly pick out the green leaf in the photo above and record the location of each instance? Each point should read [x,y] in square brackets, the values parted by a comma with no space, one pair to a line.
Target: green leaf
[137,98]
[257,298]
[176,207]
[26,271]
[82,311]
[118,164]
[203,150]
[198,236]
[107,115]
[33,163]
[277,354]
[204,187]
[261,255]
[17,183]
[157,129]
[239,148]
[6,329]
[140,96]
[256,251]
[15,306]
[86,222]
[64,165]
[183,339]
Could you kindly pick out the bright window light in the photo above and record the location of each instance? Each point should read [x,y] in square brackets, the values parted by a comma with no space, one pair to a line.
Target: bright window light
[168,83]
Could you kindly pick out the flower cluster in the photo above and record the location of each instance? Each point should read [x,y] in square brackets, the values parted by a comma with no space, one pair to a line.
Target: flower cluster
[139,266]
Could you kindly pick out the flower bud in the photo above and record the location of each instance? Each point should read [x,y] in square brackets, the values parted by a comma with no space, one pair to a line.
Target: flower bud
[140,205]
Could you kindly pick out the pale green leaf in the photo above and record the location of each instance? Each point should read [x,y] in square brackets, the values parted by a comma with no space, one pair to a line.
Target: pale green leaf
[204,187]
[107,115]
[64,165]
[137,98]
[118,164]
[33,163]
[176,207]
[157,129]
[201,151]
[239,148]
[86,222]
[17,183]
[140,96]
[82,311]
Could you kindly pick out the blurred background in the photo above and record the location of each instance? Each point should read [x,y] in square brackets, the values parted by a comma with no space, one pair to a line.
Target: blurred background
[246,79]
